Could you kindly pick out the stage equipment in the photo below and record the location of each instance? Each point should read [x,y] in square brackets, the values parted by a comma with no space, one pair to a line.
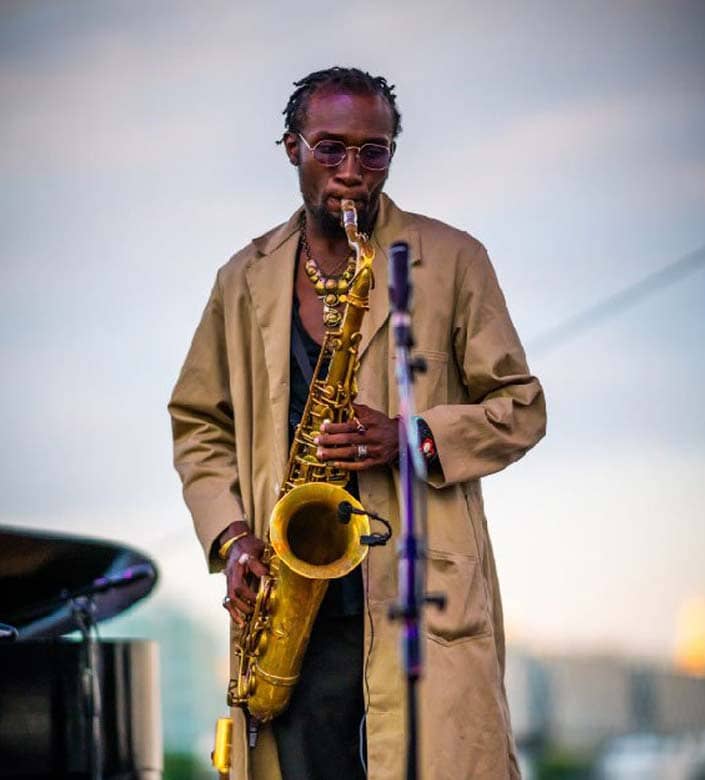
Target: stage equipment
[68,708]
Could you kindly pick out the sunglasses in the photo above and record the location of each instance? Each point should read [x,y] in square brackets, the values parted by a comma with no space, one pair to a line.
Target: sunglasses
[374,157]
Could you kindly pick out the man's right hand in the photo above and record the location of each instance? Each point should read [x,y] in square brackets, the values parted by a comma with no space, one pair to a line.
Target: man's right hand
[243,565]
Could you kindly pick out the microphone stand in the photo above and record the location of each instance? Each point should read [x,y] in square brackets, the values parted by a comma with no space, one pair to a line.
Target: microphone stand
[83,608]
[412,476]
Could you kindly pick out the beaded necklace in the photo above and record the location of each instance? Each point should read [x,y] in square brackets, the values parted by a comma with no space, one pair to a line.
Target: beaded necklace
[330,288]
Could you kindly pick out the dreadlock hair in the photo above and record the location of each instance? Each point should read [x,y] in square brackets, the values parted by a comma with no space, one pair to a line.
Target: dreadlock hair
[351,80]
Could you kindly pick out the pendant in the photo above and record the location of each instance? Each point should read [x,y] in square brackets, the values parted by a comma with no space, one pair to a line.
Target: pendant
[331,317]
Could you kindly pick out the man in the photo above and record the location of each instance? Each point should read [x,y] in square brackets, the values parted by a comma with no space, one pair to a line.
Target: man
[240,394]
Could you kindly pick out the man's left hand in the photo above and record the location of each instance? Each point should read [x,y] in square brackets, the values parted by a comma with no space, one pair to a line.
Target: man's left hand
[370,440]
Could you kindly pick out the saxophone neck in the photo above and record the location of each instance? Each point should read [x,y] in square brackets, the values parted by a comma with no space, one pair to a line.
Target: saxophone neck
[349,219]
[358,242]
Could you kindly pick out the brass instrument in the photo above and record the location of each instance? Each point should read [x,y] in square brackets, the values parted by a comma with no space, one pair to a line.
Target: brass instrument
[307,543]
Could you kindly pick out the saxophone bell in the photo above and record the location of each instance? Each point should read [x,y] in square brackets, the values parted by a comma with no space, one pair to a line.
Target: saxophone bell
[307,534]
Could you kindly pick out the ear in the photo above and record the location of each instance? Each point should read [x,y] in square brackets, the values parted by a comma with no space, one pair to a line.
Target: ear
[292,148]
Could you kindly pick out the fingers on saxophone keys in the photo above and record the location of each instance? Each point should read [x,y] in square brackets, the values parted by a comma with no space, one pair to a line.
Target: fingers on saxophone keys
[351,465]
[329,428]
[243,593]
[230,605]
[238,609]
[360,428]
[237,616]
[256,566]
[357,458]
[333,454]
[336,439]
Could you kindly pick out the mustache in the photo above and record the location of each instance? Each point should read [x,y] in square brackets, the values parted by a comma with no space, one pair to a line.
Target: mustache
[331,225]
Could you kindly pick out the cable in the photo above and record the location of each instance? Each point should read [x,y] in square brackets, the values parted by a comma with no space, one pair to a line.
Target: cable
[616,303]
[365,667]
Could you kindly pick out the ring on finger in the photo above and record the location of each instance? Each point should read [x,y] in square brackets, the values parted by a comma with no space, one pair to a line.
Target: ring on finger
[361,452]
[226,601]
[243,559]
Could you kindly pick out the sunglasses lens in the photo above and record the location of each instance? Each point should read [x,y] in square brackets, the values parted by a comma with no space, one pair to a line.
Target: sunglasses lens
[329,152]
[375,157]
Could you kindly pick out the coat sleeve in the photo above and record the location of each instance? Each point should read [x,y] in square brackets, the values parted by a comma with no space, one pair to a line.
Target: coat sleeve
[204,432]
[505,414]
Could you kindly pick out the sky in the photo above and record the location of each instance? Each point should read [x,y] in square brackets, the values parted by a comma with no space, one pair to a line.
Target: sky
[137,154]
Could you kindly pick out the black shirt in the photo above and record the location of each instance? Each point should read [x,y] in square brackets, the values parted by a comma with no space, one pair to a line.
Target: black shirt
[344,595]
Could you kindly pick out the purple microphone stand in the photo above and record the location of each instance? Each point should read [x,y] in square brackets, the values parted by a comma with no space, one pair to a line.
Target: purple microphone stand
[412,478]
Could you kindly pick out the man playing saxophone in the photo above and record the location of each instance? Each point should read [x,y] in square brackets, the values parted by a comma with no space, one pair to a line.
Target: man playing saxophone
[235,410]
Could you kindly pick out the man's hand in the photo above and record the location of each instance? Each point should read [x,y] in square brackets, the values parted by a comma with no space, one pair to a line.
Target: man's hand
[244,564]
[370,441]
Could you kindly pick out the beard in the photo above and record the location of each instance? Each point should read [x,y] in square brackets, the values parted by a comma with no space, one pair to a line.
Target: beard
[331,226]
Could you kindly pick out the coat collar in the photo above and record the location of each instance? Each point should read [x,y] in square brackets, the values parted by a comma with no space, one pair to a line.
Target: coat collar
[392,225]
[270,277]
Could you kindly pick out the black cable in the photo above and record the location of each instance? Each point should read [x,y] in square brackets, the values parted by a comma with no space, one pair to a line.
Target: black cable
[616,303]
[345,512]
[365,666]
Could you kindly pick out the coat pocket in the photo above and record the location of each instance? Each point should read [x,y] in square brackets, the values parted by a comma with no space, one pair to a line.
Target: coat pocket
[431,386]
[466,615]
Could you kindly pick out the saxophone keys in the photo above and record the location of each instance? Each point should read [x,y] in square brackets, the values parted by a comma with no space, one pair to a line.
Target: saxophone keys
[331,317]
[262,644]
[250,683]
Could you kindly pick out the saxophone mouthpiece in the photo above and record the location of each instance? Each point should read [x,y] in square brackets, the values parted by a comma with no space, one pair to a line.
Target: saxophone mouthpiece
[348,213]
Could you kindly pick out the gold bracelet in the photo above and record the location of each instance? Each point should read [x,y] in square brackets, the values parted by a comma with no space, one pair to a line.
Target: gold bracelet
[224,548]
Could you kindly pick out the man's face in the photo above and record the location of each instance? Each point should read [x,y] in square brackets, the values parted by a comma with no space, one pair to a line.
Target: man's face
[355,120]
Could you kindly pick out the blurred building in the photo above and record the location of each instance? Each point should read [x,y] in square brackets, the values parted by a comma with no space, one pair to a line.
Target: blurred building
[578,702]
[630,713]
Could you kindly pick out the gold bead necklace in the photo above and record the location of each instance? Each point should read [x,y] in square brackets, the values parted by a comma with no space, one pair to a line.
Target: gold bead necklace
[331,288]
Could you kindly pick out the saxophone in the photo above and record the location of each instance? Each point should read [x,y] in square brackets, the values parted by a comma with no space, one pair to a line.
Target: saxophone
[307,544]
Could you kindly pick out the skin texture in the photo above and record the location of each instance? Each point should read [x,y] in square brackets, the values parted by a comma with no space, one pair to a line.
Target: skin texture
[354,119]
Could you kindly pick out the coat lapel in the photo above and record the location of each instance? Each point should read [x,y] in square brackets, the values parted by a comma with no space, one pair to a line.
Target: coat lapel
[392,225]
[270,277]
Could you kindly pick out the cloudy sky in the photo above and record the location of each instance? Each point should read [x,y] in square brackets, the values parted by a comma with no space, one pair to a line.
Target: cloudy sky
[137,153]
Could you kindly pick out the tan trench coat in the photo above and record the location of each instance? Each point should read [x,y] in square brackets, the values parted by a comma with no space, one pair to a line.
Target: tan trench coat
[229,411]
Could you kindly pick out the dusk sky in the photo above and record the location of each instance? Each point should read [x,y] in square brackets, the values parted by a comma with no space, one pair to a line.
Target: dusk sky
[137,154]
